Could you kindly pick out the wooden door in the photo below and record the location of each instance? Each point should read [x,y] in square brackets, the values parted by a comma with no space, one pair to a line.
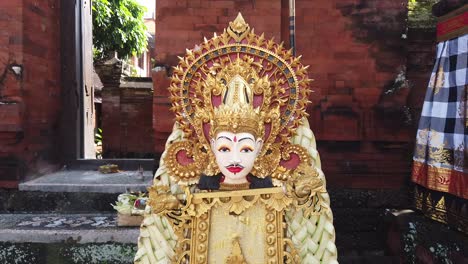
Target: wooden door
[88,120]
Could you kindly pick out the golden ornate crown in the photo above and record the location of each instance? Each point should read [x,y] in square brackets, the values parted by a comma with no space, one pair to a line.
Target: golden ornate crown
[237,118]
[238,82]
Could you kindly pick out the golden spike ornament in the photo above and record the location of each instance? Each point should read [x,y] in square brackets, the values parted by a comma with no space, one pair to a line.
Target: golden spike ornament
[238,29]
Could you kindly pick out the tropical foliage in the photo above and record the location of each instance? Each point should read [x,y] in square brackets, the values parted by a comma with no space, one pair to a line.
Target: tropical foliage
[420,14]
[118,26]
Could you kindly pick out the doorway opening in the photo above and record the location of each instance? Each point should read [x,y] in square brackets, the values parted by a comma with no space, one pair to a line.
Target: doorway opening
[114,117]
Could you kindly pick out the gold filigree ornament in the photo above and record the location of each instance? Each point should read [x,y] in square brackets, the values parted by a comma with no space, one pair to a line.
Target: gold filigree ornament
[306,189]
[437,80]
[276,201]
[181,161]
[241,82]
[236,256]
[162,200]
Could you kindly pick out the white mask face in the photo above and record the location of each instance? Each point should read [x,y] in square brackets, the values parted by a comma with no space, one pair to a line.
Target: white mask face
[235,155]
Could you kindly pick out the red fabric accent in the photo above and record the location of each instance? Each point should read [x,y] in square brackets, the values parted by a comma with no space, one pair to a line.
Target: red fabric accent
[206,131]
[452,24]
[441,179]
[257,101]
[292,163]
[183,159]
[216,101]
[266,135]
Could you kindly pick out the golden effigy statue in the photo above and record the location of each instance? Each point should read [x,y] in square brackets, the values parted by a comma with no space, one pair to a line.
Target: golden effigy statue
[240,179]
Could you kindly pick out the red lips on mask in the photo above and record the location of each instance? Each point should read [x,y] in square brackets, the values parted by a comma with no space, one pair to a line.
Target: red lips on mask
[235,168]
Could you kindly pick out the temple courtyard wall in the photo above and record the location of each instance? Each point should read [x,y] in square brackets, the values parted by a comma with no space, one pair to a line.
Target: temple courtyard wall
[370,75]
[30,88]
[362,116]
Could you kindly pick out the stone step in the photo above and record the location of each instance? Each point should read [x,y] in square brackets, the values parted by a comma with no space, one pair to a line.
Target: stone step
[57,228]
[94,238]
[418,239]
[90,181]
[65,253]
[65,238]
[73,191]
[358,220]
[55,202]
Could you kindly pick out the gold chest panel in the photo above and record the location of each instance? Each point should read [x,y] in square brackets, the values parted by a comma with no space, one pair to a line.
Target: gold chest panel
[236,227]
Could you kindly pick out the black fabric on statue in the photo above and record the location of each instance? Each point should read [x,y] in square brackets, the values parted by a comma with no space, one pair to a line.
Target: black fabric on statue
[212,182]
[257,183]
[209,182]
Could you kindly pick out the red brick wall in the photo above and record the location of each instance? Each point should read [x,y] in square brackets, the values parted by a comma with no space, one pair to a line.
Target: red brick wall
[355,50]
[182,24]
[421,55]
[127,120]
[29,102]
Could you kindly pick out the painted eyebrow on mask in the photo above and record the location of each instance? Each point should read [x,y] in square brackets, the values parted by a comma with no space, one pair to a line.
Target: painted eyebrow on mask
[246,138]
[224,137]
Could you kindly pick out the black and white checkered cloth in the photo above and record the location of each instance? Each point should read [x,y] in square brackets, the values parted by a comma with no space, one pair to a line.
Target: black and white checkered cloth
[441,141]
